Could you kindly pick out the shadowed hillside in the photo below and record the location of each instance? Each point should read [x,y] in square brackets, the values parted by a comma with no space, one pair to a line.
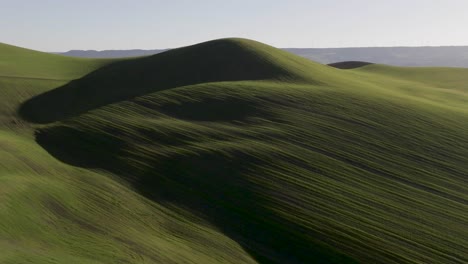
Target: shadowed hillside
[214,61]
[52,212]
[293,170]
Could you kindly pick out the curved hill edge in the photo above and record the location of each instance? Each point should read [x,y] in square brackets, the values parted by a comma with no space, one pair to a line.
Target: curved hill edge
[213,61]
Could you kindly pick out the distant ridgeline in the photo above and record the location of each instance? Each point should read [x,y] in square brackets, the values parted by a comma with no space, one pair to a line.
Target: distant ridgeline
[110,53]
[454,56]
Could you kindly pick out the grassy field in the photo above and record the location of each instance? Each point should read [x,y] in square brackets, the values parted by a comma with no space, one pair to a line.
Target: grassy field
[230,151]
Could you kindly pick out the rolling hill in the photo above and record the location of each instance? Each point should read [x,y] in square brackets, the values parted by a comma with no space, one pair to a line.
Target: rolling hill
[231,151]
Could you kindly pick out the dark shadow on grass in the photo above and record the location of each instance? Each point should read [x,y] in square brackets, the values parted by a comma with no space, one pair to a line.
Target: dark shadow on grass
[211,110]
[211,184]
[87,150]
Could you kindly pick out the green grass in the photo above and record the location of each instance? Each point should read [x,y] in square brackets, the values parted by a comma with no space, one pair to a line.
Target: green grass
[234,151]
[212,61]
[53,213]
[19,62]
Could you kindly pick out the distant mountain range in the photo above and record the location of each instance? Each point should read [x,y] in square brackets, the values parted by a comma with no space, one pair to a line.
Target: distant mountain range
[450,56]
[456,56]
[110,53]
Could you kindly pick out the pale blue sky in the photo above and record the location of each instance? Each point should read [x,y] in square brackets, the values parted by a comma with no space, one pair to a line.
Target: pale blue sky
[61,25]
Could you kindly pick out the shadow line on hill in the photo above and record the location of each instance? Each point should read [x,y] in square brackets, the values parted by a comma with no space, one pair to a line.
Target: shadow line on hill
[213,61]
[211,184]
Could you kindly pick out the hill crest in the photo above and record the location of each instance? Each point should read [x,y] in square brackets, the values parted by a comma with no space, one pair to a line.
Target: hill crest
[213,61]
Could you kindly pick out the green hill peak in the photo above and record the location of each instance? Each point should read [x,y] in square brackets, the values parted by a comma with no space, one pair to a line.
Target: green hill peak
[220,60]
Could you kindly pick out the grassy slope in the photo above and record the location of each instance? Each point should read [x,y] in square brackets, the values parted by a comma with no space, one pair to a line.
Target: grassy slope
[444,78]
[280,161]
[446,87]
[25,73]
[222,61]
[54,213]
[19,62]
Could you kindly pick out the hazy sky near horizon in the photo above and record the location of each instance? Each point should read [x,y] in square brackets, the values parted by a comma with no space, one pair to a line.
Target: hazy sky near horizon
[61,25]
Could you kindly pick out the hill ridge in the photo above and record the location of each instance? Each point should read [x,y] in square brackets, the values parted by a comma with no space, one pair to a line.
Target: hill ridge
[232,59]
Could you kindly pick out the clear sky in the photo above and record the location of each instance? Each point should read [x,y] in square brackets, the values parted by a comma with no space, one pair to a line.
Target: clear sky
[61,25]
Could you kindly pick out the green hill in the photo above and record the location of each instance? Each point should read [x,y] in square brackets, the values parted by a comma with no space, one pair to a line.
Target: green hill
[213,61]
[234,151]
[53,213]
[25,73]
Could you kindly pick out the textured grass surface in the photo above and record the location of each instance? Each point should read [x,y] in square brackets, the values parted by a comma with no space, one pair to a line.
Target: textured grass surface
[51,212]
[234,151]
[54,213]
